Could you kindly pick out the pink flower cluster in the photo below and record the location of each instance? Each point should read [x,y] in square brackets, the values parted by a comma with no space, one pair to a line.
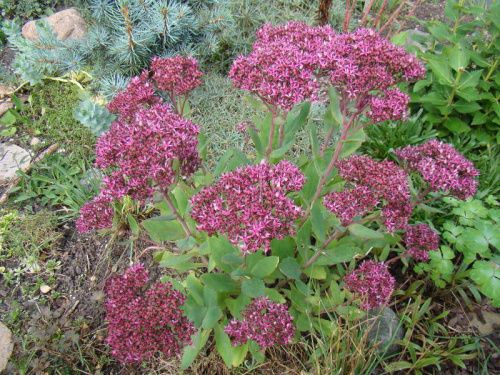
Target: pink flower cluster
[144,321]
[363,61]
[141,153]
[442,167]
[97,214]
[419,240]
[386,182]
[174,75]
[391,105]
[141,156]
[281,67]
[372,282]
[139,93]
[249,206]
[287,63]
[351,202]
[148,142]
[268,323]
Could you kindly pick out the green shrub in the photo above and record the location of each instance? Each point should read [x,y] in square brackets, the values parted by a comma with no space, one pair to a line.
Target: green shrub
[27,9]
[462,89]
[472,250]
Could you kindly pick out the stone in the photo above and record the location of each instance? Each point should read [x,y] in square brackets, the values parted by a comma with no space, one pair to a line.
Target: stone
[384,328]
[4,90]
[5,105]
[12,158]
[68,24]
[6,346]
[491,322]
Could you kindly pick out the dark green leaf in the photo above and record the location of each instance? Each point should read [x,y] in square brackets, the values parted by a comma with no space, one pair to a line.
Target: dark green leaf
[219,282]
[265,267]
[363,232]
[253,288]
[290,268]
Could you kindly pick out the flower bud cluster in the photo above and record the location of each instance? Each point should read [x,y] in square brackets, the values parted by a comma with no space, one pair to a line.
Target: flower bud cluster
[144,321]
[372,282]
[96,214]
[249,206]
[419,240]
[268,323]
[442,167]
[386,182]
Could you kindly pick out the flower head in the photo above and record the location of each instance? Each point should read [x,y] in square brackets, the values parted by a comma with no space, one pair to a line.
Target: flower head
[268,323]
[177,75]
[281,68]
[141,153]
[372,282]
[139,93]
[385,181]
[350,203]
[288,63]
[442,167]
[174,75]
[97,214]
[419,240]
[143,322]
[249,206]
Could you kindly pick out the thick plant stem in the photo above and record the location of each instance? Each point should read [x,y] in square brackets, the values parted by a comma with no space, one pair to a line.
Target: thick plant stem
[318,253]
[271,134]
[179,217]
[327,140]
[330,166]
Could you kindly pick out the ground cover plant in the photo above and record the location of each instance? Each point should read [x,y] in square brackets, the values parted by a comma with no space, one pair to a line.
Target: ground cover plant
[274,257]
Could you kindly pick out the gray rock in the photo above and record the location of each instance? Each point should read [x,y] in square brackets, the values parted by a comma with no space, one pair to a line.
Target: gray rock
[4,106]
[68,24]
[12,158]
[6,346]
[384,328]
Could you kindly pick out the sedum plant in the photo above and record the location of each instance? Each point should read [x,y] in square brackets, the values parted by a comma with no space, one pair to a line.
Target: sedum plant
[93,116]
[270,244]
